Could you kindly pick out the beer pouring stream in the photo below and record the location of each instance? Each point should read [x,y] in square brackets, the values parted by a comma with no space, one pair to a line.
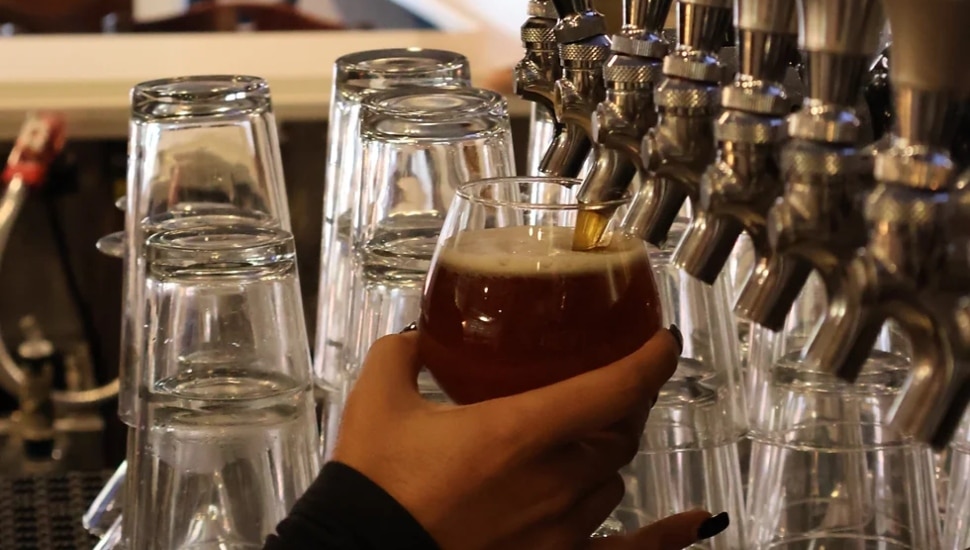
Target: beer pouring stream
[620,121]
[826,165]
[915,267]
[677,151]
[583,47]
[739,188]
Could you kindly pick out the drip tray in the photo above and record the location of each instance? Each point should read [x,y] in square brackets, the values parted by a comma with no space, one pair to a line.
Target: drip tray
[44,512]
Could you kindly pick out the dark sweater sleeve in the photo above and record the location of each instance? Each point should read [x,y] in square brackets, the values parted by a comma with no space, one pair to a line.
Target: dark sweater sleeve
[344,510]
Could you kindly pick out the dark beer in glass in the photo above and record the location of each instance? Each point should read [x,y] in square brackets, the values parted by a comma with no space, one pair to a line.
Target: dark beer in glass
[509,306]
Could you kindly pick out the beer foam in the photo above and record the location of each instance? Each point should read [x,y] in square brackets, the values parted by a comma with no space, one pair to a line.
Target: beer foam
[526,250]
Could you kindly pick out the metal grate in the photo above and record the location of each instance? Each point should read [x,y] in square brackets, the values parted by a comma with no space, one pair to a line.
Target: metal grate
[44,512]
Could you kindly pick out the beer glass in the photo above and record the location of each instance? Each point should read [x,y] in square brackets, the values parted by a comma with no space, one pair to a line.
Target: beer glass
[509,306]
[203,150]
[355,76]
[956,530]
[228,439]
[827,470]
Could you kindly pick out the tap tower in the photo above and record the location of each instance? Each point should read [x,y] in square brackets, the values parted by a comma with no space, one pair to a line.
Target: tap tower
[915,267]
[826,165]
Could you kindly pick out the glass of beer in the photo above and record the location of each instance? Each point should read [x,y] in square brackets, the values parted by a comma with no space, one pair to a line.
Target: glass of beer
[508,306]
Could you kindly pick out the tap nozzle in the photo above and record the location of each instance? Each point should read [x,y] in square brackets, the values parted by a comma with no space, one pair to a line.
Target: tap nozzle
[583,48]
[737,189]
[826,164]
[623,117]
[678,150]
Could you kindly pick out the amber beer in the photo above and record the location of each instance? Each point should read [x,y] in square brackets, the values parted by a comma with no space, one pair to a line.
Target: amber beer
[512,309]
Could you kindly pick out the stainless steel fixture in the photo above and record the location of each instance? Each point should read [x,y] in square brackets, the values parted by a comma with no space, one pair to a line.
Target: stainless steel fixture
[915,267]
[826,165]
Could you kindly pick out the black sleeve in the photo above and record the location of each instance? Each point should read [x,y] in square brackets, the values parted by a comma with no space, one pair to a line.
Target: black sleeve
[344,510]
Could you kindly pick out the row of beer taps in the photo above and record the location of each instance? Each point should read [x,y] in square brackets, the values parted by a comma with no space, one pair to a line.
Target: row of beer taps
[782,133]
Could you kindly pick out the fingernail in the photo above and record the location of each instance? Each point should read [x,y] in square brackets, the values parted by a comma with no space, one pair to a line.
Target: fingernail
[410,328]
[713,526]
[675,332]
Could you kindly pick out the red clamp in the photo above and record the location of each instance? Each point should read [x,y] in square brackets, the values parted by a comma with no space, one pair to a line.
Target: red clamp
[41,139]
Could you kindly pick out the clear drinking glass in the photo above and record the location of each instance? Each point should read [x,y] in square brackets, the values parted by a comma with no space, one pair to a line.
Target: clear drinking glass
[103,512]
[417,145]
[355,76]
[203,150]
[229,436]
[956,531]
[509,306]
[827,470]
[689,453]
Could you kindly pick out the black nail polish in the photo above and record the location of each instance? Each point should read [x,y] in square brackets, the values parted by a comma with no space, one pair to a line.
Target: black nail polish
[675,332]
[713,526]
[410,328]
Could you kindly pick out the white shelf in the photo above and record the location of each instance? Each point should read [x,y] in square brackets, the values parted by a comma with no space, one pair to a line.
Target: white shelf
[89,77]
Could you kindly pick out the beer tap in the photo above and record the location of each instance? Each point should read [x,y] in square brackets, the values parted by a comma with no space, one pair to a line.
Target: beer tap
[915,268]
[583,48]
[678,150]
[536,74]
[817,223]
[739,188]
[622,119]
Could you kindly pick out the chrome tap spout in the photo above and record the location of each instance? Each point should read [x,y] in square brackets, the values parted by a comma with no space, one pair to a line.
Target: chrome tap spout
[620,121]
[826,165]
[915,268]
[583,48]
[677,151]
[739,188]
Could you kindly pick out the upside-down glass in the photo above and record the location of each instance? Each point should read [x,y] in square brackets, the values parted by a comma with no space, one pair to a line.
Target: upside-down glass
[355,76]
[229,436]
[827,470]
[689,453]
[417,145]
[203,150]
[509,306]
[956,531]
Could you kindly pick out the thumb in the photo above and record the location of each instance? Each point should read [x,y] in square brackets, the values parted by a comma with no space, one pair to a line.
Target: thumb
[390,371]
[672,533]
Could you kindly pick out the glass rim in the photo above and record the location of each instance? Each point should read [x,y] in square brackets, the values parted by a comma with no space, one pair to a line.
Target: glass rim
[491,103]
[465,191]
[200,246]
[357,61]
[187,97]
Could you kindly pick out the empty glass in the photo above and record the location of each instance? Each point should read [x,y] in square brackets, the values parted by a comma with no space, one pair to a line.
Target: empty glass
[827,470]
[355,76]
[104,511]
[688,456]
[203,150]
[229,436]
[956,531]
